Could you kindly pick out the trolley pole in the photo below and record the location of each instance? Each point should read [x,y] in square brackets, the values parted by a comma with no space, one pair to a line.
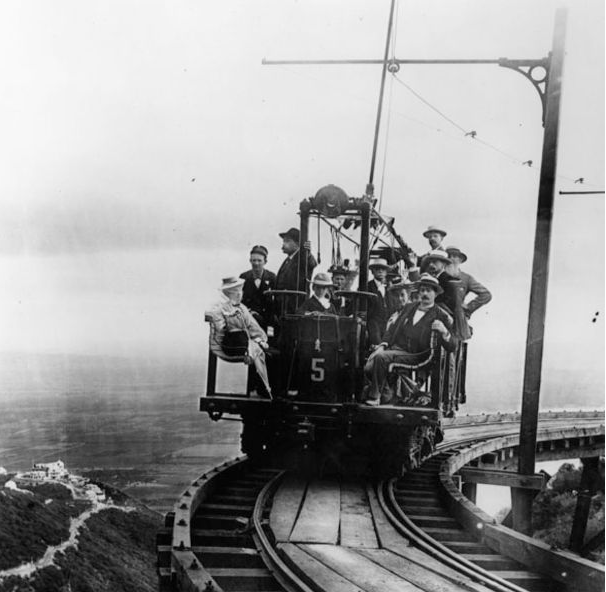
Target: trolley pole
[522,498]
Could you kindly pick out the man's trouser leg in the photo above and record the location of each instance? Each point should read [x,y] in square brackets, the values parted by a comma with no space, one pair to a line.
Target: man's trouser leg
[376,370]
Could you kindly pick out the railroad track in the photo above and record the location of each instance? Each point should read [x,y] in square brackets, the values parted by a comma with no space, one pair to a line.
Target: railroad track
[416,508]
[219,538]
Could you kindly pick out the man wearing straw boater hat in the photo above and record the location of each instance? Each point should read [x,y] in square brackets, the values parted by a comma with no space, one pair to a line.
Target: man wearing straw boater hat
[435,235]
[409,333]
[235,335]
[468,283]
[320,297]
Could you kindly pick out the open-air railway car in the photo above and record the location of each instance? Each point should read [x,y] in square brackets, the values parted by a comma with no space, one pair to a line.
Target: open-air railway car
[317,416]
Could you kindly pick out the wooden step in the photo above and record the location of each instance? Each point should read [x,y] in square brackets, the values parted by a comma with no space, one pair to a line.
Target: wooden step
[243,578]
[491,562]
[429,510]
[416,492]
[228,557]
[238,509]
[448,534]
[220,521]
[467,547]
[522,578]
[405,500]
[215,537]
[424,520]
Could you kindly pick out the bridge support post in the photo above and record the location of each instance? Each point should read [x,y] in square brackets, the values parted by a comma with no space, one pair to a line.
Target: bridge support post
[470,491]
[522,498]
[587,488]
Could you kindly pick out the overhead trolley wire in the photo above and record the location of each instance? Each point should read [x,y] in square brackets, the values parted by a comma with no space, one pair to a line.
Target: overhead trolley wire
[518,161]
[473,134]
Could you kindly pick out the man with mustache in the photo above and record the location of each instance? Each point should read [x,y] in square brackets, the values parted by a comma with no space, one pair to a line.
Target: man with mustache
[409,333]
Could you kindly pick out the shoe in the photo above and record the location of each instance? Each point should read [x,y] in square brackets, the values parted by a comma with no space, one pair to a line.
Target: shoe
[372,402]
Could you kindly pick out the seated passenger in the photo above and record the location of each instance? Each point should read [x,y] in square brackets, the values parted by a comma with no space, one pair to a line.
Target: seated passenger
[320,298]
[409,333]
[235,335]
[398,294]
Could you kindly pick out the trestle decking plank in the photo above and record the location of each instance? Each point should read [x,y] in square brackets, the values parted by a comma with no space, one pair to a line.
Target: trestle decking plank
[412,572]
[357,528]
[360,570]
[285,507]
[318,521]
[429,563]
[314,573]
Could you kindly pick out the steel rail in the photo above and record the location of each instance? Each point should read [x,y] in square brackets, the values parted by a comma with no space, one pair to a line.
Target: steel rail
[434,548]
[405,526]
[283,574]
[428,544]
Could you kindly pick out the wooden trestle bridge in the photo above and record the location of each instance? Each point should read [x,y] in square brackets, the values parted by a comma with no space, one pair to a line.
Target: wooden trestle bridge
[242,527]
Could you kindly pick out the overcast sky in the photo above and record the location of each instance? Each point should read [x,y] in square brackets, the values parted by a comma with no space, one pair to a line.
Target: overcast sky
[145,148]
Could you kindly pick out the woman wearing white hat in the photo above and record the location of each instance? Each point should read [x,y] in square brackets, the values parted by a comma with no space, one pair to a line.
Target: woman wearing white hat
[320,298]
[235,335]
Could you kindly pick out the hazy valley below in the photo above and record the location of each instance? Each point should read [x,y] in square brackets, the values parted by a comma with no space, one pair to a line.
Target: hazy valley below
[134,422]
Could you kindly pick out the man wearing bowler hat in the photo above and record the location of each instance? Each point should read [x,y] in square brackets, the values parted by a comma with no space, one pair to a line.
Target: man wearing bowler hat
[257,281]
[295,272]
[468,283]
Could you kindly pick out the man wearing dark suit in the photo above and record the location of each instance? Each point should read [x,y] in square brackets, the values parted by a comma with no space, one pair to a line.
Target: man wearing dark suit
[409,333]
[295,272]
[320,298]
[257,281]
[377,307]
[468,283]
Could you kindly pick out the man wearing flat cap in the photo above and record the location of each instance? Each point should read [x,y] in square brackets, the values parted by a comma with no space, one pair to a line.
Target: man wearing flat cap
[377,308]
[257,281]
[296,270]
[320,297]
[409,333]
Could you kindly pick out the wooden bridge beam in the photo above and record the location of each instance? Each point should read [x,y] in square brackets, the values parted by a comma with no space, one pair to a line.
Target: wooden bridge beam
[504,478]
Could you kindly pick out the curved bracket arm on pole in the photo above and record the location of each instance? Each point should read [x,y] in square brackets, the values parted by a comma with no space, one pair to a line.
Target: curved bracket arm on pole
[536,71]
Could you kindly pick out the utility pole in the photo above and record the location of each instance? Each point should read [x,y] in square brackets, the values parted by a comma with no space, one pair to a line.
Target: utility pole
[522,498]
